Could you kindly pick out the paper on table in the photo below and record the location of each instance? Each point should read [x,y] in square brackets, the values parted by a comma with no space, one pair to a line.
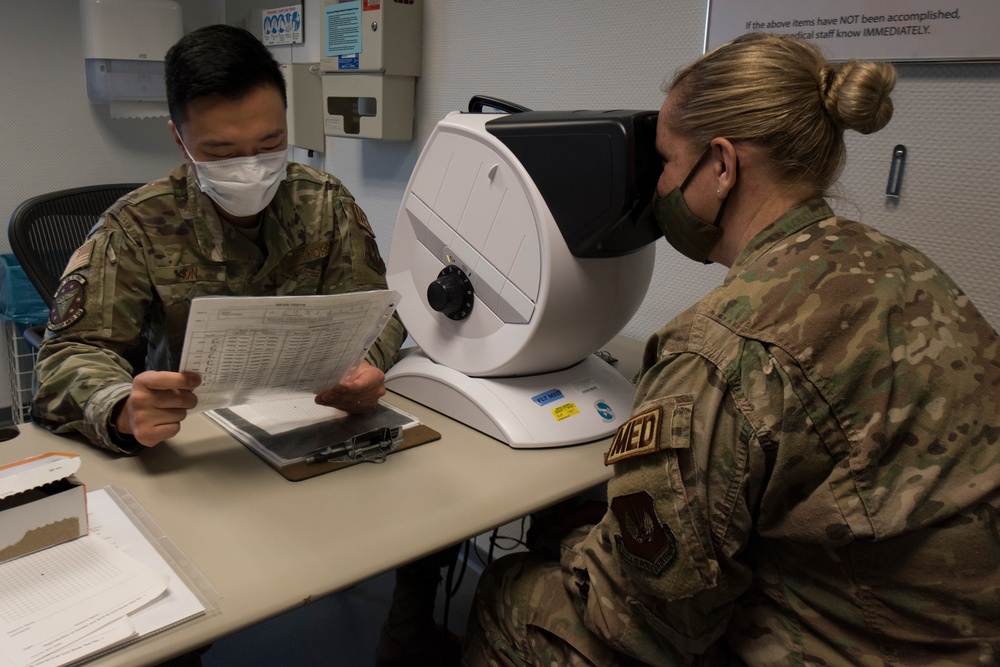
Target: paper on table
[111,524]
[116,533]
[249,349]
[55,597]
[276,417]
[288,436]
[114,633]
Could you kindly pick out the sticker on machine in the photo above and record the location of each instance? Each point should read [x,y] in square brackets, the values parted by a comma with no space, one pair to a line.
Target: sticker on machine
[604,410]
[566,410]
[548,396]
[585,385]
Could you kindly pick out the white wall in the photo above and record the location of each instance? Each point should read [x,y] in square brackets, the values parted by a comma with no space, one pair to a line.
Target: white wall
[565,54]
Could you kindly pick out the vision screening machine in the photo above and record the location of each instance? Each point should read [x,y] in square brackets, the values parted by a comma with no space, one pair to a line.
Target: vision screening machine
[523,244]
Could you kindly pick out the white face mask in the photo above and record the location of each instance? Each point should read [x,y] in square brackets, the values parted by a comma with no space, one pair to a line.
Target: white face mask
[242,186]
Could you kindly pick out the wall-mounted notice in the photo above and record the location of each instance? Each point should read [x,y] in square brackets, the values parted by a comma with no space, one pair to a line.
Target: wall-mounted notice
[342,29]
[897,30]
[282,25]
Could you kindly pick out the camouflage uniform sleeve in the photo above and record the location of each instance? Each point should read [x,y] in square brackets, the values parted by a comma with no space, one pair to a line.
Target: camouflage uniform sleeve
[658,577]
[364,269]
[384,352]
[96,318]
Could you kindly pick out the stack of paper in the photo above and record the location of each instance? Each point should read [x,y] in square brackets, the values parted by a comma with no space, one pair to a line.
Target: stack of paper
[84,596]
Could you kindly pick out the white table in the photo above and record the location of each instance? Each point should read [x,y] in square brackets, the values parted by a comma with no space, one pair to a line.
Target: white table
[269,545]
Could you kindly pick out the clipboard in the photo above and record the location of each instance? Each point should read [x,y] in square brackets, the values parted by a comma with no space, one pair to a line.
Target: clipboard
[304,452]
[413,436]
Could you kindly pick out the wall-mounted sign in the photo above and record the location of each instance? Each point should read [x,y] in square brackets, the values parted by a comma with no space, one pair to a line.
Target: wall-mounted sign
[282,25]
[342,29]
[897,30]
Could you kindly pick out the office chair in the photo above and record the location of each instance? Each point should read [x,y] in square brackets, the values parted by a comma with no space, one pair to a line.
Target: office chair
[45,230]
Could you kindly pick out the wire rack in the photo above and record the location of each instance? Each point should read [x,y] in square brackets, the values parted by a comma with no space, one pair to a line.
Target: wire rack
[21,357]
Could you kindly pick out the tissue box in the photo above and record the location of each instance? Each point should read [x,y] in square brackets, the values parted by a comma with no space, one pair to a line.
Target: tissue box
[41,504]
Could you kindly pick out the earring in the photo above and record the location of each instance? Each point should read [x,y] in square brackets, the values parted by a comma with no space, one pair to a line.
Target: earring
[718,193]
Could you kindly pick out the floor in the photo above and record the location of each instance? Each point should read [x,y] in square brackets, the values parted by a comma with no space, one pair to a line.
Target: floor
[341,630]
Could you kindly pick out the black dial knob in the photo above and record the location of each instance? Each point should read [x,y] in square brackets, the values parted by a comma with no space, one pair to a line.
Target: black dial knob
[446,294]
[451,294]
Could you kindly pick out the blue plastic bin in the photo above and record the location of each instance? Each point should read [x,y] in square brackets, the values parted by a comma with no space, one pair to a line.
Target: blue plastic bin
[19,300]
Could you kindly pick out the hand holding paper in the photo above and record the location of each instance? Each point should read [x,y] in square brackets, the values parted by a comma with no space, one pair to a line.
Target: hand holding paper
[358,392]
[158,403]
[248,349]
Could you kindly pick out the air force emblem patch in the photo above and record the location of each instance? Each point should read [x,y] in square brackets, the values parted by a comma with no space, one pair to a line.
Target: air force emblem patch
[644,543]
[68,302]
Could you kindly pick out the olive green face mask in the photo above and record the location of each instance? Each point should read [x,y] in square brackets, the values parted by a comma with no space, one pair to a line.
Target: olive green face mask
[687,233]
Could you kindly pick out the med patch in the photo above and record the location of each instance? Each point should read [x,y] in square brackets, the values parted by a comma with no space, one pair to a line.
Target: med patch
[645,542]
[638,436]
[68,302]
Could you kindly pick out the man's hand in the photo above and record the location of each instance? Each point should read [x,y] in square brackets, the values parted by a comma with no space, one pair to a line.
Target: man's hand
[157,405]
[358,393]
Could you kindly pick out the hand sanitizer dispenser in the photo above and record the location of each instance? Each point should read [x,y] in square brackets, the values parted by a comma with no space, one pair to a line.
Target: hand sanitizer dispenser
[125,43]
[370,60]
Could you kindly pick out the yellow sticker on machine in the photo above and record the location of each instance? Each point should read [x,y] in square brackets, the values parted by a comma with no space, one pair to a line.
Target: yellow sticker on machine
[566,410]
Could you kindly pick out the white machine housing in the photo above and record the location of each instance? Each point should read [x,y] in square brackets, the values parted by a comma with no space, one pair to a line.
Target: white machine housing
[512,352]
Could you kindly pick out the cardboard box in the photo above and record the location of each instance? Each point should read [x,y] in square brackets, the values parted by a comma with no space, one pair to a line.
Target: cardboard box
[41,504]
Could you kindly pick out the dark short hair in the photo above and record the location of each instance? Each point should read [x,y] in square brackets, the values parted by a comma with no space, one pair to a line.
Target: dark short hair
[218,60]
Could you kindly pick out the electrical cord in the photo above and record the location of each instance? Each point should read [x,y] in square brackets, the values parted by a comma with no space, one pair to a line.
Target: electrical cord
[451,590]
[452,587]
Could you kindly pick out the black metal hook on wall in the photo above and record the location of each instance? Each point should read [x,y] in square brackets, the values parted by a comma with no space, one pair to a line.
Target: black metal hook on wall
[895,183]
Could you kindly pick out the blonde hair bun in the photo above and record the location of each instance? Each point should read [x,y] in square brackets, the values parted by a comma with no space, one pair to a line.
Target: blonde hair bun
[857,94]
[780,94]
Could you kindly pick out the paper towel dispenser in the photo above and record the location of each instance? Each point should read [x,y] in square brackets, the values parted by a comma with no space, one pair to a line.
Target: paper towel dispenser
[125,43]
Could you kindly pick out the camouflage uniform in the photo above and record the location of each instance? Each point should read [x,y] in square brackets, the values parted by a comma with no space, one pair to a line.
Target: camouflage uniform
[164,244]
[811,476]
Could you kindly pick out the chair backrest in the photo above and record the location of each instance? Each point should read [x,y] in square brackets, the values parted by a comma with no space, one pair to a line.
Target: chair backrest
[45,230]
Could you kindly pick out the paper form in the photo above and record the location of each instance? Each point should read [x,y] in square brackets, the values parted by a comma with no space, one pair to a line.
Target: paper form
[117,543]
[57,596]
[111,524]
[287,432]
[249,349]
[112,634]
[282,416]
